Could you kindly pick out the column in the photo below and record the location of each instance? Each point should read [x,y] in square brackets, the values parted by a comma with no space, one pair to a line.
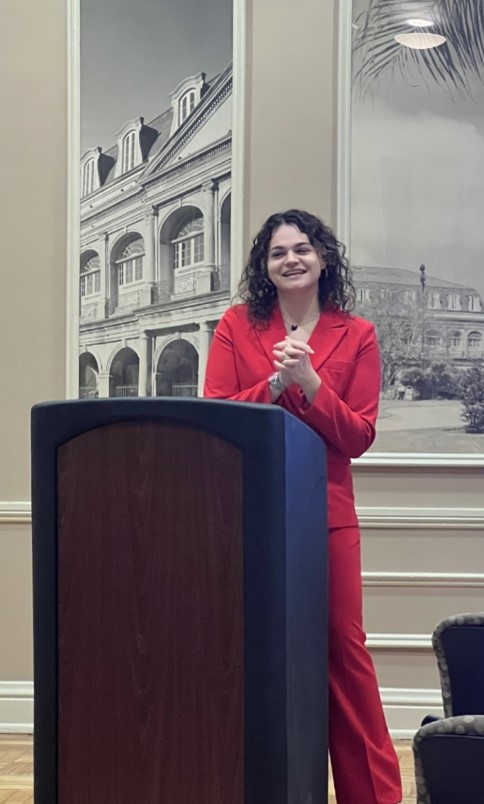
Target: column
[105,273]
[149,261]
[204,341]
[103,384]
[144,373]
[210,188]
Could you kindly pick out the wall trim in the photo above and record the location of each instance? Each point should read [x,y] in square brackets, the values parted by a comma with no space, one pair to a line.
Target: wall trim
[421,518]
[15,513]
[436,519]
[404,708]
[16,707]
[431,580]
[399,641]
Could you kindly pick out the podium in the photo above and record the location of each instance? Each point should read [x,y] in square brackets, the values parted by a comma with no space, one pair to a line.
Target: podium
[180,612]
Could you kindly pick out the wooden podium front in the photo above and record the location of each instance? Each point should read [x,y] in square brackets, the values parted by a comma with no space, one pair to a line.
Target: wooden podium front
[179,604]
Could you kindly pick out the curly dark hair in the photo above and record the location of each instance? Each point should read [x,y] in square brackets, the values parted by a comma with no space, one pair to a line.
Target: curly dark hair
[336,288]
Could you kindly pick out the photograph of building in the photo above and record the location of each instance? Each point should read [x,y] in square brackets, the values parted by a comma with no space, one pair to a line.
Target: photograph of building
[415,207]
[155,246]
[155,206]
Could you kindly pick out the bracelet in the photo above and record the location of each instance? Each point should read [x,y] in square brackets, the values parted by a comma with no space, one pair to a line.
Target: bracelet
[276,383]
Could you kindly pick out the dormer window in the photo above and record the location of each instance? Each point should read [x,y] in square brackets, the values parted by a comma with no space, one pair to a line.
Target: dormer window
[133,142]
[474,305]
[363,295]
[433,301]
[88,177]
[410,296]
[185,98]
[129,151]
[453,301]
[187,104]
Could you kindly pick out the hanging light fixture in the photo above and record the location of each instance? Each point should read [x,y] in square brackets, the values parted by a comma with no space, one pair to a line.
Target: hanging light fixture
[420,40]
[420,23]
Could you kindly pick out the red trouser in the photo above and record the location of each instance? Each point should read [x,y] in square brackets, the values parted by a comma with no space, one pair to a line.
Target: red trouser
[365,766]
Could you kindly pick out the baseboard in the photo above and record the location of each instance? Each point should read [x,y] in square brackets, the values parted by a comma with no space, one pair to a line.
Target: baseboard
[404,708]
[16,707]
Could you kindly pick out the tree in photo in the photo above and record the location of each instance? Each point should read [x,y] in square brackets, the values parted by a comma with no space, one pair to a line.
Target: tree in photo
[472,398]
[399,331]
[437,381]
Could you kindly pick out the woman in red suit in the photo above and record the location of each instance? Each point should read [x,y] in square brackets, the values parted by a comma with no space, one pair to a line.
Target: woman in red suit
[294,343]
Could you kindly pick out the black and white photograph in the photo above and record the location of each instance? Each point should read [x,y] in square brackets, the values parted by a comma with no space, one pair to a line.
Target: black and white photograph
[155,181]
[416,205]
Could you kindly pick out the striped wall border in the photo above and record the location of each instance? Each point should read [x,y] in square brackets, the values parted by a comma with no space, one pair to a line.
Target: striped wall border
[370,518]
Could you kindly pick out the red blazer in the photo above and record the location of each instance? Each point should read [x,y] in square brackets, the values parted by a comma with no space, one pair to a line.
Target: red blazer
[345,408]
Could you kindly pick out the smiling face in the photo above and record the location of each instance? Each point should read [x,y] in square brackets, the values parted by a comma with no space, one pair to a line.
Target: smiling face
[293,264]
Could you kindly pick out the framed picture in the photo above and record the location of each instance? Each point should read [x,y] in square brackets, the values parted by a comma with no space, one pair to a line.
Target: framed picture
[156,120]
[410,209]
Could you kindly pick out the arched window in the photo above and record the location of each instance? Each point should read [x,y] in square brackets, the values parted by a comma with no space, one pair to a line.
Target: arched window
[129,153]
[187,104]
[130,264]
[455,340]
[91,276]
[88,376]
[432,338]
[124,373]
[188,248]
[177,370]
[474,341]
[88,177]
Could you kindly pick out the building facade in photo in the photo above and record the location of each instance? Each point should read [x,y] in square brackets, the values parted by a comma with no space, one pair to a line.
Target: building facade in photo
[420,319]
[155,246]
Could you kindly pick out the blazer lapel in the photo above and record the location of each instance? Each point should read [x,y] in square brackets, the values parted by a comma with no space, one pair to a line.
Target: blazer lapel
[326,336]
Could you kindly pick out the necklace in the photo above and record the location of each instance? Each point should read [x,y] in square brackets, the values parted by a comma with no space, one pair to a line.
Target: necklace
[294,327]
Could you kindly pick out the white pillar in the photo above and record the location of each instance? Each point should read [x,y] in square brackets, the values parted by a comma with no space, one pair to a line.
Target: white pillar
[149,238]
[210,188]
[149,260]
[105,273]
[103,384]
[143,373]
[204,341]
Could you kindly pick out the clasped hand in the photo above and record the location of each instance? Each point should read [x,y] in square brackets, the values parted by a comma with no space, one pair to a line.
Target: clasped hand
[293,363]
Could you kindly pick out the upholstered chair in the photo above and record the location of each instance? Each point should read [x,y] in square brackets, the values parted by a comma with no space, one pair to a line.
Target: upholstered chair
[449,761]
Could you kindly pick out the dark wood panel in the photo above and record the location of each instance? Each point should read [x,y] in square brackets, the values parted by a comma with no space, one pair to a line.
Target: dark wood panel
[150,617]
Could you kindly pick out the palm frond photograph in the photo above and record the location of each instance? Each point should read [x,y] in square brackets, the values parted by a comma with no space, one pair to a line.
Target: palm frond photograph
[415,208]
[442,42]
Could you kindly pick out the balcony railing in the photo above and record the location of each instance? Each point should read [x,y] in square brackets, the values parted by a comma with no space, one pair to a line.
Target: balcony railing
[88,392]
[126,390]
[184,389]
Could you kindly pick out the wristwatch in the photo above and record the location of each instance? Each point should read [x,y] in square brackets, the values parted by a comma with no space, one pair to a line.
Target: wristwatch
[275,383]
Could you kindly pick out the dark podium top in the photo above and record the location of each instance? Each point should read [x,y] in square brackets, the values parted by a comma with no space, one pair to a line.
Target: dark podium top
[179,603]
